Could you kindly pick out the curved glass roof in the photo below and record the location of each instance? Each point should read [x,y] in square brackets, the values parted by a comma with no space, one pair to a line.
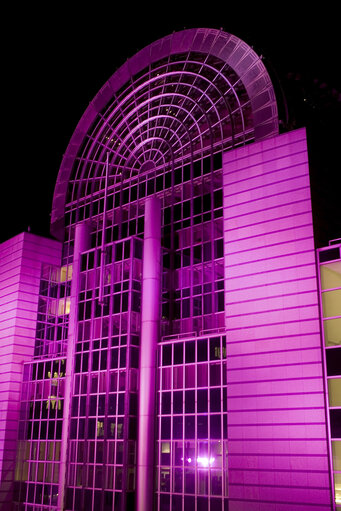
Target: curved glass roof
[192,93]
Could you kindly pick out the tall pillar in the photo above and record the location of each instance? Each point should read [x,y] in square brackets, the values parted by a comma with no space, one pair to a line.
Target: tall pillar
[150,317]
[82,243]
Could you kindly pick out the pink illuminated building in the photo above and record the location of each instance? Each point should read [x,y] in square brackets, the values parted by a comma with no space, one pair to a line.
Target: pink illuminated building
[166,351]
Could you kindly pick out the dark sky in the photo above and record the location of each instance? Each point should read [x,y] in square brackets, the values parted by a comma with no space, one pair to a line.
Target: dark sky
[56,61]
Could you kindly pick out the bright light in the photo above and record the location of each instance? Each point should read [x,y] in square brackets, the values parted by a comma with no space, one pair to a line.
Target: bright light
[205,462]
[202,460]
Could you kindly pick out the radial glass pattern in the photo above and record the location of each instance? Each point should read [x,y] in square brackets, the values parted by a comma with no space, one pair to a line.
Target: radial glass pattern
[187,96]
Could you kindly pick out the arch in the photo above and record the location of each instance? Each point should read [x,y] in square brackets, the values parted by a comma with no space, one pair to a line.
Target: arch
[233,103]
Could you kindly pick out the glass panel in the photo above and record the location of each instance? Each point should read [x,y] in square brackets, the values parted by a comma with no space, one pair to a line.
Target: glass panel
[336,448]
[332,331]
[165,479]
[330,275]
[177,480]
[202,482]
[334,391]
[202,375]
[337,488]
[177,378]
[335,423]
[331,303]
[333,359]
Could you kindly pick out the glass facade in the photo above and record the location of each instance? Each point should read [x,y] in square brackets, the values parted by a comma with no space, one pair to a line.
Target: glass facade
[155,139]
[330,301]
[191,443]
[40,434]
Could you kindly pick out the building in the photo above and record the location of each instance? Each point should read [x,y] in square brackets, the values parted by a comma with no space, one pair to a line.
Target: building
[174,358]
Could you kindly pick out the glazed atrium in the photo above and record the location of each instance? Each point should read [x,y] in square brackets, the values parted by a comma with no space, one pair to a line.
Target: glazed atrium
[175,345]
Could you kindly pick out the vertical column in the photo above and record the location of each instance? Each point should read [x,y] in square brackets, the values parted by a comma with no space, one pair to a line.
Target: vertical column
[82,243]
[151,288]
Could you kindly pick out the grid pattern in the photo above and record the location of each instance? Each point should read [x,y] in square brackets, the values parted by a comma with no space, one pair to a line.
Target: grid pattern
[276,405]
[191,444]
[188,95]
[21,259]
[53,310]
[330,302]
[102,437]
[39,443]
[176,107]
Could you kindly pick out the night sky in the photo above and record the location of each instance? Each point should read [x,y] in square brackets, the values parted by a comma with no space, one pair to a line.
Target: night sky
[54,63]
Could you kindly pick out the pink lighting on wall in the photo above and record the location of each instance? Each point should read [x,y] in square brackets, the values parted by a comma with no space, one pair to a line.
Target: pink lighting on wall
[21,260]
[277,441]
[150,317]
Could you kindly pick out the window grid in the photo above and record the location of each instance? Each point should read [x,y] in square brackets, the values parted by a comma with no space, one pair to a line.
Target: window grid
[191,454]
[101,459]
[40,430]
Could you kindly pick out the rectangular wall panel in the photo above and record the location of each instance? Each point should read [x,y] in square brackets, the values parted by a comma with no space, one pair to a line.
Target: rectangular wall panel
[277,443]
[20,270]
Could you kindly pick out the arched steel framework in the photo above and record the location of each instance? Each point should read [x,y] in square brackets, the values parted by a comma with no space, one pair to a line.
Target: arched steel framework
[191,94]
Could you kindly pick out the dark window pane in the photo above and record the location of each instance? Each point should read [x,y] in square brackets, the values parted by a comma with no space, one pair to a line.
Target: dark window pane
[214,374]
[91,428]
[167,355]
[207,304]
[215,400]
[178,480]
[177,402]
[120,409]
[93,405]
[190,352]
[218,249]
[114,358]
[176,502]
[333,356]
[202,350]
[178,353]
[164,498]
[166,403]
[215,348]
[189,487]
[202,504]
[335,423]
[329,255]
[202,400]
[190,426]
[177,427]
[207,251]
[186,257]
[186,308]
[112,404]
[215,424]
[165,427]
[215,504]
[189,401]
[202,431]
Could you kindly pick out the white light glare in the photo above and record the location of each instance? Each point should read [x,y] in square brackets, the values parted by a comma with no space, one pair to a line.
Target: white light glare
[205,462]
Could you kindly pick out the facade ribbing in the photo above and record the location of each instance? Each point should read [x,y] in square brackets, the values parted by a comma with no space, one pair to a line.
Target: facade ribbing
[174,354]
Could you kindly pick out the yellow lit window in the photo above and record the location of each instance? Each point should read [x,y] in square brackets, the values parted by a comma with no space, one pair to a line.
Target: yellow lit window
[331,275]
[334,391]
[332,331]
[331,303]
[336,448]
[66,273]
[337,488]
